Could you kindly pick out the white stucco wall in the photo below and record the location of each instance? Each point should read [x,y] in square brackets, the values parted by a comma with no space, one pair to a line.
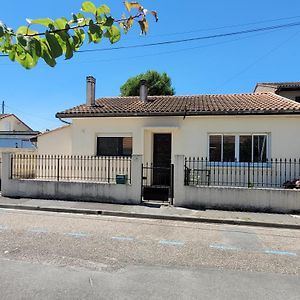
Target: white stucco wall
[57,141]
[189,135]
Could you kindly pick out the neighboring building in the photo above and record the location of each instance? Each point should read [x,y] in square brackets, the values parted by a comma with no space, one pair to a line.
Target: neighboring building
[289,90]
[236,128]
[15,134]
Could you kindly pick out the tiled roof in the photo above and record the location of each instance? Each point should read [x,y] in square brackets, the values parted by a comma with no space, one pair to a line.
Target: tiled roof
[280,85]
[255,103]
[2,116]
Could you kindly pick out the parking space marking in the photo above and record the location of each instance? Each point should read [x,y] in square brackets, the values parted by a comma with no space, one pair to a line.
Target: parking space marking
[122,238]
[278,252]
[171,242]
[224,247]
[38,230]
[77,234]
[3,227]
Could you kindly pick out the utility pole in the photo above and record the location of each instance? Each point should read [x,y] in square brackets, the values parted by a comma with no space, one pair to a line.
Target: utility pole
[2,107]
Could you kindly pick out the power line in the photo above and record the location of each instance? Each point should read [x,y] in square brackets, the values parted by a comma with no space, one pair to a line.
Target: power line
[269,28]
[258,60]
[227,26]
[29,114]
[173,51]
[261,29]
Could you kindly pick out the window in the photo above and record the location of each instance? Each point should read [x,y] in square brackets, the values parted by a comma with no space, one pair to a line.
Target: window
[114,146]
[222,148]
[240,148]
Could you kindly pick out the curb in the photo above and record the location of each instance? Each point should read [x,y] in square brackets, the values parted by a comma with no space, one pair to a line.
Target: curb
[150,216]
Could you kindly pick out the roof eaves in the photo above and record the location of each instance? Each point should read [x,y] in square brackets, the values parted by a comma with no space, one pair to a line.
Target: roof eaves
[182,113]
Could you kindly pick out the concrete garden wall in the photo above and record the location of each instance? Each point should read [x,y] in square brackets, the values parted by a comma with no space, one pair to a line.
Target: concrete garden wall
[233,198]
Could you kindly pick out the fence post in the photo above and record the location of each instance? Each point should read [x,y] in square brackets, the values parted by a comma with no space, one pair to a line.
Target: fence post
[11,166]
[248,175]
[58,169]
[179,176]
[108,174]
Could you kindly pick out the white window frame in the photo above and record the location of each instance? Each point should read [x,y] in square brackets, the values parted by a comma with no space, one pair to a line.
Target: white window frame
[237,144]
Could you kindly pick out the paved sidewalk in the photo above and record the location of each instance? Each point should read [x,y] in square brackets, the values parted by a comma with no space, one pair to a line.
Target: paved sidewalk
[162,212]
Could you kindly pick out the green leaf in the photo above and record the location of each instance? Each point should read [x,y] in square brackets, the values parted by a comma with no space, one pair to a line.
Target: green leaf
[80,34]
[95,33]
[109,21]
[45,22]
[35,48]
[27,62]
[88,6]
[103,10]
[22,40]
[61,23]
[113,34]
[46,55]
[25,30]
[1,31]
[69,51]
[12,55]
[55,48]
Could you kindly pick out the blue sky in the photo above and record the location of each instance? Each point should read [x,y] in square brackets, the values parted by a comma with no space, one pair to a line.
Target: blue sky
[224,65]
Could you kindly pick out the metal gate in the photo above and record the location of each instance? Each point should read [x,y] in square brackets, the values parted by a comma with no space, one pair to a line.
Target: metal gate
[157,183]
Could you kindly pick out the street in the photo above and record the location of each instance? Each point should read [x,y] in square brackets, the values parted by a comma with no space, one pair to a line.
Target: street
[48,255]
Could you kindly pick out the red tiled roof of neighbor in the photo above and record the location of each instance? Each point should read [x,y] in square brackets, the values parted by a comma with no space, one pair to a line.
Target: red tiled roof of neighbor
[232,104]
[280,85]
[2,116]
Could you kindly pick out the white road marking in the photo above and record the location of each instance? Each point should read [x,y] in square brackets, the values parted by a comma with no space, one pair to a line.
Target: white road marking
[77,234]
[122,238]
[38,230]
[3,227]
[277,252]
[171,242]
[224,247]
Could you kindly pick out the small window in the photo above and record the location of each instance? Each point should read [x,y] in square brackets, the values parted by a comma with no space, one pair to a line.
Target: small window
[114,146]
[215,149]
[229,148]
[245,148]
[259,148]
[222,148]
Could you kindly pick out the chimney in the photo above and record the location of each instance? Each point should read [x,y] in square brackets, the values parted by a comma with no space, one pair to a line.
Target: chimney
[90,90]
[143,90]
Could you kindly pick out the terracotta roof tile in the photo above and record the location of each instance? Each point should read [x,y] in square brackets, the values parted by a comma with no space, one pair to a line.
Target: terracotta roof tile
[280,85]
[255,103]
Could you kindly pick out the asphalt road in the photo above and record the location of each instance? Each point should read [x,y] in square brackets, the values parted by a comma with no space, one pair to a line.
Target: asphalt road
[65,256]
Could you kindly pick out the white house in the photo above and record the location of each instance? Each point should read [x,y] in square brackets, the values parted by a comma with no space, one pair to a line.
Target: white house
[222,151]
[15,134]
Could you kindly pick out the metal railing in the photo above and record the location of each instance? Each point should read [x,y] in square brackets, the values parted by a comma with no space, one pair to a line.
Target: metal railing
[105,169]
[273,173]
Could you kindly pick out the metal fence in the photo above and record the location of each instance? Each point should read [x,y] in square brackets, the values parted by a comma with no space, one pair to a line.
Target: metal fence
[105,169]
[273,173]
[157,182]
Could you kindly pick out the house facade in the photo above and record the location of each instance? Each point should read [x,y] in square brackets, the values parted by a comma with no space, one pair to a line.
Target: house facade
[233,151]
[15,134]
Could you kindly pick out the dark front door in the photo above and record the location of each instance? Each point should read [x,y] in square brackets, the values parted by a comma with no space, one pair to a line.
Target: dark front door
[162,159]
